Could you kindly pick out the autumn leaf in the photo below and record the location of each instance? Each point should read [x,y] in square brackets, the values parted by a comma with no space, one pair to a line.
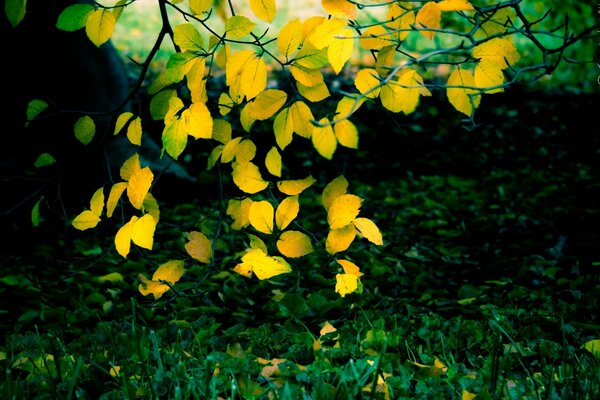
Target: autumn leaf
[170,272]
[367,82]
[294,244]
[286,212]
[85,220]
[343,210]
[283,127]
[340,239]
[142,232]
[198,121]
[100,25]
[314,93]
[429,16]
[247,177]
[340,49]
[333,190]
[264,9]
[489,74]
[369,230]
[302,118]
[455,5]
[323,139]
[273,162]
[239,210]
[238,26]
[463,99]
[264,266]
[346,134]
[187,37]
[295,187]
[375,37]
[253,77]
[261,216]
[290,37]
[346,283]
[199,247]
[138,186]
[499,50]
[267,103]
[340,8]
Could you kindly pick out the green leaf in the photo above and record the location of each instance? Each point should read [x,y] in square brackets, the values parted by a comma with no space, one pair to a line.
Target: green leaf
[238,26]
[188,38]
[74,17]
[34,108]
[15,11]
[44,160]
[85,129]
[35,212]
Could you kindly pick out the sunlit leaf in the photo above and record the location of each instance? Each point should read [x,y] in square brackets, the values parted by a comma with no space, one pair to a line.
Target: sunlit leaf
[400,22]
[294,244]
[346,134]
[290,37]
[238,26]
[267,103]
[253,77]
[323,138]
[130,167]
[97,202]
[463,99]
[123,237]
[340,8]
[467,395]
[295,187]
[375,37]
[333,190]
[198,7]
[502,51]
[73,17]
[261,216]
[314,93]
[199,123]
[286,212]
[85,129]
[273,162]
[100,25]
[142,232]
[593,346]
[346,283]
[283,127]
[340,239]
[257,243]
[263,266]
[134,131]
[187,37]
[347,106]
[302,118]
[343,210]
[247,177]
[369,230]
[429,16]
[324,33]
[138,186]
[239,210]
[367,82]
[489,74]
[122,120]
[199,247]
[243,269]
[340,49]
[175,138]
[455,5]
[264,9]
[170,272]
[85,220]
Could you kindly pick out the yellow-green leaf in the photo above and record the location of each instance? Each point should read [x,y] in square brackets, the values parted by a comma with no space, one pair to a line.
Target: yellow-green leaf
[253,77]
[283,127]
[350,268]
[346,134]
[294,244]
[134,131]
[257,243]
[333,190]
[100,25]
[324,140]
[239,210]
[221,130]
[467,395]
[340,239]
[340,49]
[247,177]
[213,157]
[229,150]
[488,74]
[187,37]
[369,230]
[429,16]
[116,191]
[122,120]
[44,160]
[463,99]
[85,129]
[348,105]
[314,93]
[130,167]
[403,94]
[273,162]
[290,37]
[123,237]
[245,151]
[238,26]
[261,216]
[263,266]
[73,17]
[85,220]
[142,232]
[286,212]
[310,57]
[174,138]
[15,11]
[151,206]
[295,187]
[198,7]
[199,123]
[346,283]
[138,186]
[367,82]
[159,105]
[340,8]
[343,210]
[246,117]
[113,277]
[302,118]
[267,103]
[236,63]
[97,202]
[199,247]
[593,346]
[264,9]
[34,108]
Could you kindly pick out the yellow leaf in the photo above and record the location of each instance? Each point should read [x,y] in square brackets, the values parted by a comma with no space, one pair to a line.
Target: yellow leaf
[196,82]
[236,62]
[403,94]
[340,49]
[401,22]
[267,103]
[138,186]
[245,151]
[375,37]
[333,190]
[238,26]
[324,33]
[369,230]
[85,129]
[294,244]
[198,7]
[346,283]
[314,93]
[309,25]
[187,37]
[225,104]
[499,50]
[154,288]
[295,187]
[170,272]
[385,60]
[174,137]
[273,162]
[263,266]
[261,216]
[151,207]
[302,118]
[100,25]
[123,237]
[239,210]
[367,82]
[340,239]
[346,133]
[455,5]
[593,346]
[290,37]
[327,328]
[324,140]
[488,74]
[247,177]
[286,212]
[134,131]
[467,395]
[221,130]
[343,210]
[199,247]
[429,16]
[85,220]
[307,77]
[340,8]
[257,243]
[246,117]
[264,9]
[142,232]
[199,123]
[123,119]
[350,268]
[243,269]
[97,202]
[283,127]
[130,167]
[463,99]
[229,150]
[253,77]
[348,105]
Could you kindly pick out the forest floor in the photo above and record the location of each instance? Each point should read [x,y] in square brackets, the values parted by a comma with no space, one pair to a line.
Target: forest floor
[488,282]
